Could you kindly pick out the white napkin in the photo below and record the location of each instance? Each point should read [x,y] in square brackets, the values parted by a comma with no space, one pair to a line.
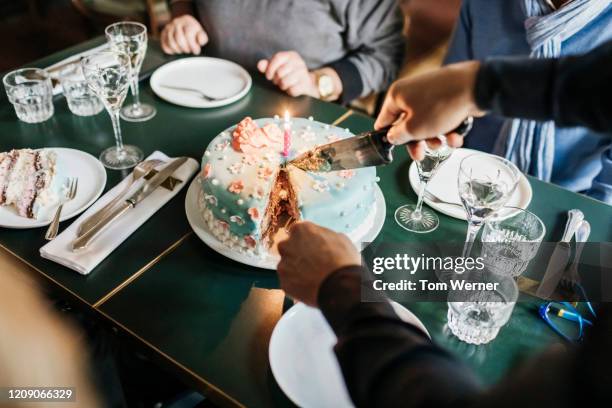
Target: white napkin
[85,260]
[57,89]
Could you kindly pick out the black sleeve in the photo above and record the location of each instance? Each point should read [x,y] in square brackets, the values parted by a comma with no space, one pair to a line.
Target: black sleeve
[181,7]
[572,91]
[385,361]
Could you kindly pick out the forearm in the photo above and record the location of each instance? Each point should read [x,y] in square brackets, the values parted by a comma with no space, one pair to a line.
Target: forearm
[181,7]
[572,91]
[386,361]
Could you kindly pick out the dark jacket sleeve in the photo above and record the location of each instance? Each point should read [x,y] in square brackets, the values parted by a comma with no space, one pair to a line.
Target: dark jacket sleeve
[572,91]
[385,361]
[181,7]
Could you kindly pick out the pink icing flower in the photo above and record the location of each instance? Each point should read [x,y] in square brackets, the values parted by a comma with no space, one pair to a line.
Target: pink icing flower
[250,138]
[265,173]
[254,213]
[236,168]
[347,174]
[250,241]
[236,187]
[206,170]
[224,225]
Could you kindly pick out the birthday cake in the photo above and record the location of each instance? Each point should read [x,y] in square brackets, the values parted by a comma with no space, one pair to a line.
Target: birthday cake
[249,190]
[29,181]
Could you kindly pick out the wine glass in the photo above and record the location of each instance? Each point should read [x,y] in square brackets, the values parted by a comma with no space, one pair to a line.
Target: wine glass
[415,218]
[131,38]
[486,183]
[108,75]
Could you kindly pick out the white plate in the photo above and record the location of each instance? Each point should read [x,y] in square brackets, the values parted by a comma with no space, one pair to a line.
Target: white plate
[75,163]
[444,186]
[215,77]
[303,361]
[268,262]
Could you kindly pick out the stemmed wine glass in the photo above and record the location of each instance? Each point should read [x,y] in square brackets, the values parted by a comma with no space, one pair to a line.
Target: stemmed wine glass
[131,38]
[415,218]
[108,75]
[485,183]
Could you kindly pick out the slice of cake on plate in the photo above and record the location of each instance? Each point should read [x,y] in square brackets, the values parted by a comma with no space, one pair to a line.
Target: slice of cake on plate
[29,181]
[249,192]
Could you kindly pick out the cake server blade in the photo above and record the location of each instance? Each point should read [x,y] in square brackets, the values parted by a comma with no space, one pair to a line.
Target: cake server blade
[140,194]
[363,150]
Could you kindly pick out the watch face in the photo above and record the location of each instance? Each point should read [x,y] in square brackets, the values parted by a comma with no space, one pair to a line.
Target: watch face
[326,86]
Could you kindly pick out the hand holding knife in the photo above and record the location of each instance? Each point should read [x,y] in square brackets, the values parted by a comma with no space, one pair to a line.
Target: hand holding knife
[363,150]
[140,194]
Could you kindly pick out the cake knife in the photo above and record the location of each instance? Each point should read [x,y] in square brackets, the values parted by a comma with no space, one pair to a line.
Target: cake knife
[140,194]
[363,150]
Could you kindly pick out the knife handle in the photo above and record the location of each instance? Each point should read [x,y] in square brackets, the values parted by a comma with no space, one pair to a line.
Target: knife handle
[84,240]
[574,219]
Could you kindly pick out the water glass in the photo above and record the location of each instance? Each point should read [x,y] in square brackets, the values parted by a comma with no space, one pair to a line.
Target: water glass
[510,242]
[476,316]
[82,101]
[31,93]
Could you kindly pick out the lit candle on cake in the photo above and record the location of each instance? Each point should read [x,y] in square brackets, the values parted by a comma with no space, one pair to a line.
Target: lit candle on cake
[287,134]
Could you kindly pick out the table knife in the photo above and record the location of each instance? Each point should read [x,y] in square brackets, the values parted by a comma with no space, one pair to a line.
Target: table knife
[363,150]
[140,194]
[560,256]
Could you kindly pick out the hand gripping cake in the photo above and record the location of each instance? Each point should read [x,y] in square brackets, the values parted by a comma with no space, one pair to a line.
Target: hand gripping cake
[29,181]
[249,191]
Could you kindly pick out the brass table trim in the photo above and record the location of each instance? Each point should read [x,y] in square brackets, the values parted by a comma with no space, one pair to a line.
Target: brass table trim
[142,270]
[343,117]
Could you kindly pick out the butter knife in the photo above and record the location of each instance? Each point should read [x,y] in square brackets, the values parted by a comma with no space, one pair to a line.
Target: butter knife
[363,150]
[560,256]
[140,194]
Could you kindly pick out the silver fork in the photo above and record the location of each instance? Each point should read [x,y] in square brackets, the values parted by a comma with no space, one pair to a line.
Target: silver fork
[54,226]
[140,171]
[204,96]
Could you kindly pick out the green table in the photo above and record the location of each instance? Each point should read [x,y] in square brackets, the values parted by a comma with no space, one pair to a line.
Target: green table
[205,317]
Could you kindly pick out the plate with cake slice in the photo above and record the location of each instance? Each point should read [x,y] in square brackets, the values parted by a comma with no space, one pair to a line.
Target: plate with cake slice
[34,182]
[248,194]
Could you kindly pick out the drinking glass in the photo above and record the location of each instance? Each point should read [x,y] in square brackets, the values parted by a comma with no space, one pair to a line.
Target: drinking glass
[476,316]
[82,101]
[131,38]
[486,183]
[108,76]
[31,93]
[415,218]
[509,243]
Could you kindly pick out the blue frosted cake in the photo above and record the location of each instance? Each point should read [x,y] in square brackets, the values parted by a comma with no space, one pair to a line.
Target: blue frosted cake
[249,191]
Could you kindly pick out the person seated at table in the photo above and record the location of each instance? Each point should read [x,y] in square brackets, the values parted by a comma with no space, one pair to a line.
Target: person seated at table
[575,158]
[335,50]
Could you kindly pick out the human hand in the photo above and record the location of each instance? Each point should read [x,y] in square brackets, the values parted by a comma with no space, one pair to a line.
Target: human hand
[309,256]
[424,106]
[288,71]
[183,35]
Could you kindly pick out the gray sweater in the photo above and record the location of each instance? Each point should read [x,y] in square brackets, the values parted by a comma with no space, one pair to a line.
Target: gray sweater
[361,39]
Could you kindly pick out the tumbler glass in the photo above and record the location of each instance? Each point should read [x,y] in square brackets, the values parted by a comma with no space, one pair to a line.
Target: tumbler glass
[511,242]
[82,101]
[31,93]
[476,316]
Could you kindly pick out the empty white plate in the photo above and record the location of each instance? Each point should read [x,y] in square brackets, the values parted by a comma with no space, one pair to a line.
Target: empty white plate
[302,358]
[74,163]
[214,77]
[444,186]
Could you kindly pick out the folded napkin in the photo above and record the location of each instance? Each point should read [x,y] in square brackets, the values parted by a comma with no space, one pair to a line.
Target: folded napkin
[84,261]
[57,88]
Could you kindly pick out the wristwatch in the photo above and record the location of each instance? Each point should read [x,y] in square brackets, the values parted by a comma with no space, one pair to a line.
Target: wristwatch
[325,85]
